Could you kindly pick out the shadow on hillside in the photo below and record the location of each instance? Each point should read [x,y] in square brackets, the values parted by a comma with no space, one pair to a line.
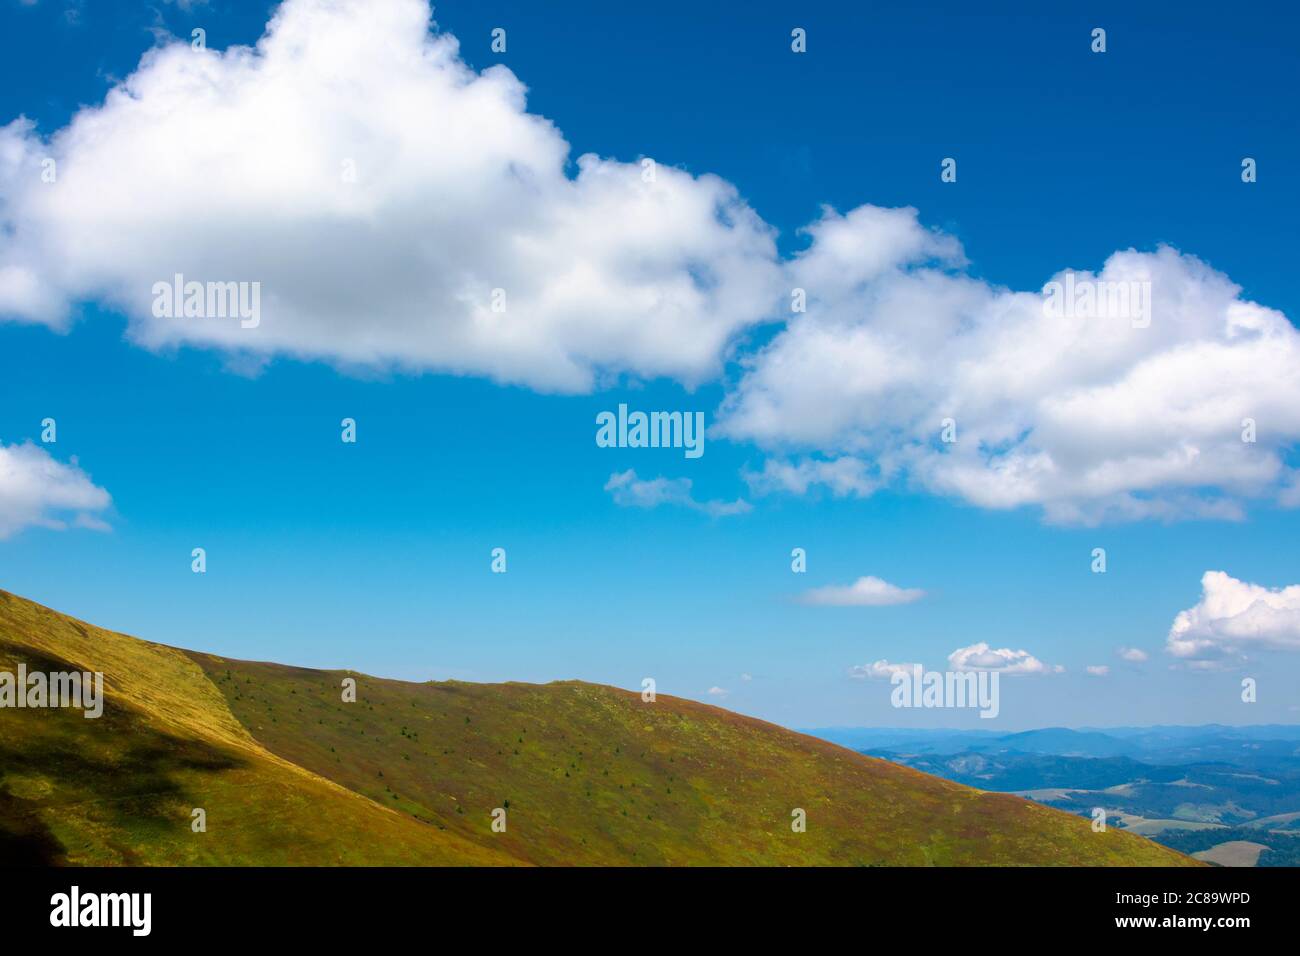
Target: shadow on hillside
[116,777]
[24,839]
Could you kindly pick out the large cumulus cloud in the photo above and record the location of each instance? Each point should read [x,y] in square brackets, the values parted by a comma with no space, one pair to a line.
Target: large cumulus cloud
[379,190]
[1088,416]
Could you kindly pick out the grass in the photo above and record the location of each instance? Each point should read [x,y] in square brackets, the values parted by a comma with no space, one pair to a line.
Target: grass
[120,790]
[411,773]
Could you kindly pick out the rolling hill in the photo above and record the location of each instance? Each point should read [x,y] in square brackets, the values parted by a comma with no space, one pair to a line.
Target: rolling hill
[410,774]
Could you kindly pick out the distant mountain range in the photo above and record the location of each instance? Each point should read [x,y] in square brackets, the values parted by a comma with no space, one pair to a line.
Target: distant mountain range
[1155,743]
[201,760]
[1230,795]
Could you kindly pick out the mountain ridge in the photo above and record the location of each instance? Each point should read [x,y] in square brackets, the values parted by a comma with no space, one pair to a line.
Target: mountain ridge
[288,773]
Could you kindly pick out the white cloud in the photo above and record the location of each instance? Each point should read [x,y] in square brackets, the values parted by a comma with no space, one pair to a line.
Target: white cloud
[845,477]
[37,491]
[1089,418]
[880,670]
[1289,496]
[864,592]
[230,166]
[1234,617]
[630,491]
[1132,654]
[981,657]
[718,692]
[1098,670]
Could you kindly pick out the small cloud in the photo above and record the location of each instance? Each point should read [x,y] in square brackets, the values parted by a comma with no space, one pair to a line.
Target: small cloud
[38,491]
[629,491]
[718,692]
[1132,654]
[864,592]
[880,670]
[981,657]
[1222,664]
[746,678]
[1098,670]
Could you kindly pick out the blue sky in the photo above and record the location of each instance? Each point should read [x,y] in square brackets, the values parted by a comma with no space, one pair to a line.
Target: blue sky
[376,555]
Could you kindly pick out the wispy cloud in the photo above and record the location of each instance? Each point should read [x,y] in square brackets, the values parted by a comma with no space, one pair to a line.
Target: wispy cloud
[843,477]
[632,492]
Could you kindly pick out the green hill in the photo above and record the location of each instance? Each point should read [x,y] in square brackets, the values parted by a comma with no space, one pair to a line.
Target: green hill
[288,773]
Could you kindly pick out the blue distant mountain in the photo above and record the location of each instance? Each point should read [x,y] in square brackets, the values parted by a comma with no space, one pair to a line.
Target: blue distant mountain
[1062,741]
[1192,788]
[1207,741]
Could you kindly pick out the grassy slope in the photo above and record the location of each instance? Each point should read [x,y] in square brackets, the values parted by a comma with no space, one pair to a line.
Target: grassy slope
[119,790]
[595,776]
[592,775]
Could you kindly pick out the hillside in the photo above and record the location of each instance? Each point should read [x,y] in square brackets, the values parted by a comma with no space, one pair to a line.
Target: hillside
[119,790]
[410,774]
